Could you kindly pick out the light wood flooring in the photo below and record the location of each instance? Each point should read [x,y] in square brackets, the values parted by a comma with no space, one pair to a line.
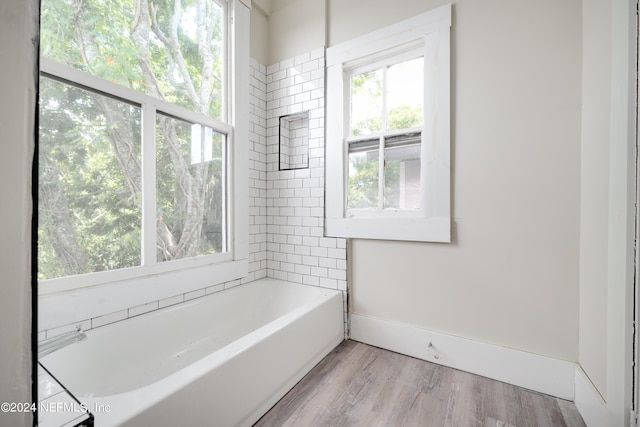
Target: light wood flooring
[361,385]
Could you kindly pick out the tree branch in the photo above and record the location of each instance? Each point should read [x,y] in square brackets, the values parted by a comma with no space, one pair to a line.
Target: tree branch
[173,48]
[140,37]
[56,216]
[204,31]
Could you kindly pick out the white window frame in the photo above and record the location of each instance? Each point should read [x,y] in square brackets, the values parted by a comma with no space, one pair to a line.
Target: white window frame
[109,291]
[432,222]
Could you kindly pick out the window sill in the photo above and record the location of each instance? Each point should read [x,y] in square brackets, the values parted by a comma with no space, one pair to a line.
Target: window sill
[54,309]
[407,229]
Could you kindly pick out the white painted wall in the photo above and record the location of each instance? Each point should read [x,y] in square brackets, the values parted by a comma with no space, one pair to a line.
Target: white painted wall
[295,27]
[596,105]
[259,48]
[510,277]
[18,29]
[349,19]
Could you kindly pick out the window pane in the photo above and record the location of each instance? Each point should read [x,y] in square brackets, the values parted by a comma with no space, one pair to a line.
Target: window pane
[405,94]
[366,103]
[138,47]
[363,175]
[402,172]
[190,189]
[89,182]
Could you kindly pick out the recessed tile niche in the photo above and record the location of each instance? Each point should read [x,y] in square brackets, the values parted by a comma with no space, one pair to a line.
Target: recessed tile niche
[294,141]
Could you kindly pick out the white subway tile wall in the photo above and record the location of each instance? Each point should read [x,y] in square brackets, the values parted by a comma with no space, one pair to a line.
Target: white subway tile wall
[257,172]
[296,247]
[145,308]
[293,143]
[286,208]
[96,322]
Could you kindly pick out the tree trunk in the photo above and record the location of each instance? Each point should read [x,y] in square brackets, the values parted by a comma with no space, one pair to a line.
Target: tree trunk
[59,228]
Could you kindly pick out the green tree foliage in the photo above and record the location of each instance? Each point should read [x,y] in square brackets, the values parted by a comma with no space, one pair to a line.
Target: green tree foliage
[363,182]
[404,117]
[363,187]
[90,217]
[366,93]
[90,174]
[175,220]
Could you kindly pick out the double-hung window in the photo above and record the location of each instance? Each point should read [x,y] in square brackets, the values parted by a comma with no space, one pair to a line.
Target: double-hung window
[388,132]
[385,133]
[140,167]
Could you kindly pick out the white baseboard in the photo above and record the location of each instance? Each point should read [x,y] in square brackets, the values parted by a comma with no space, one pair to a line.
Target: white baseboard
[589,402]
[535,372]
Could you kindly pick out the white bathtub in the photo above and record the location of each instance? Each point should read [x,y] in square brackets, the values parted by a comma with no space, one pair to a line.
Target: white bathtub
[220,361]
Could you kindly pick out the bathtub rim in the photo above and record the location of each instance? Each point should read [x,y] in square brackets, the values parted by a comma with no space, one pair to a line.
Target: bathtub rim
[132,402]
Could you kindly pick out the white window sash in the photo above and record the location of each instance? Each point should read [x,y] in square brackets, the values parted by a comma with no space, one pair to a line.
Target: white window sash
[154,280]
[381,147]
[151,107]
[432,223]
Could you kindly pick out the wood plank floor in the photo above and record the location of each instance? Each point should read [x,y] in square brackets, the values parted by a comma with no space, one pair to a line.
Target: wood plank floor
[361,385]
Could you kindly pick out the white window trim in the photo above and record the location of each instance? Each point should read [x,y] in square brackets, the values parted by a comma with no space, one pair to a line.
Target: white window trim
[433,222]
[101,293]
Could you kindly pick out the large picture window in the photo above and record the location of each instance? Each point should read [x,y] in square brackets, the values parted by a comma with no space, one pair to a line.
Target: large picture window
[136,142]
[388,132]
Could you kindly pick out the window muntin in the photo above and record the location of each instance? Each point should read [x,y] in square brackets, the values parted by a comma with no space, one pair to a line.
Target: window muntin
[204,183]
